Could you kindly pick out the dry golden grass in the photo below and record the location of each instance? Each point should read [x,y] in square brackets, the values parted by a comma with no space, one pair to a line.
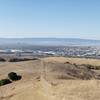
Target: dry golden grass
[35,86]
[95,62]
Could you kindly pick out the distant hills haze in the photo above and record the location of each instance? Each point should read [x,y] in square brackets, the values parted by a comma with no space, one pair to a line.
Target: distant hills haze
[50,41]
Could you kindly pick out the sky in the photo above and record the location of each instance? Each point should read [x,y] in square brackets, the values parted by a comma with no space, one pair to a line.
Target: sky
[50,18]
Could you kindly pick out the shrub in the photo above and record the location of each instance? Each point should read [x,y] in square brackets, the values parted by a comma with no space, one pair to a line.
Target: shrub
[13,76]
[2,59]
[15,60]
[89,66]
[21,59]
[4,82]
[92,67]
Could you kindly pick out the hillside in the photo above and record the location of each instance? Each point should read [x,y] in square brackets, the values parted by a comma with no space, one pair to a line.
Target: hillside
[53,78]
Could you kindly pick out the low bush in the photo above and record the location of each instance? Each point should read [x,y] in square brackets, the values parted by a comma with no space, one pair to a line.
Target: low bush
[13,76]
[21,59]
[15,60]
[92,67]
[2,59]
[4,82]
[67,62]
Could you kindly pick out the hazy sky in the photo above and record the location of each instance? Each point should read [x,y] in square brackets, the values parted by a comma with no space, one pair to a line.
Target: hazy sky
[50,18]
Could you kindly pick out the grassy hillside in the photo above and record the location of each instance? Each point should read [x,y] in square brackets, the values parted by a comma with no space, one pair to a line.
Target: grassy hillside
[54,78]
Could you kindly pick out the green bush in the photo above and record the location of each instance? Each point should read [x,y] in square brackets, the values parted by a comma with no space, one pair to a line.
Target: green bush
[21,59]
[2,59]
[15,60]
[13,76]
[92,67]
[89,66]
[4,82]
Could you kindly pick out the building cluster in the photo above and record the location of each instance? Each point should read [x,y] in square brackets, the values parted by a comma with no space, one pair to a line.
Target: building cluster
[73,51]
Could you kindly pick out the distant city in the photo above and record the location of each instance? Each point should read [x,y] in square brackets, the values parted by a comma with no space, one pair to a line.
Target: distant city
[68,51]
[43,47]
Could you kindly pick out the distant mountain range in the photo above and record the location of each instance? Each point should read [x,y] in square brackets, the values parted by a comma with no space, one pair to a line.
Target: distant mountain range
[49,41]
